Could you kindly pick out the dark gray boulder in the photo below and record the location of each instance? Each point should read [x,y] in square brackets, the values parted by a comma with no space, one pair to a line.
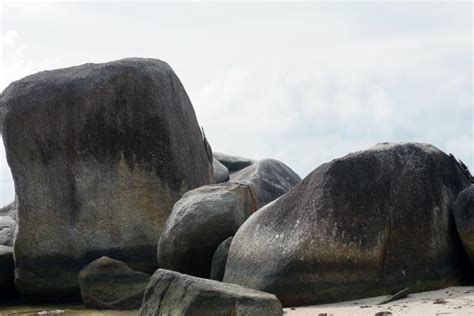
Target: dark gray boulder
[7,231]
[199,222]
[272,178]
[7,285]
[362,225]
[233,163]
[219,260]
[99,154]
[173,293]
[221,174]
[464,218]
[110,284]
[3,111]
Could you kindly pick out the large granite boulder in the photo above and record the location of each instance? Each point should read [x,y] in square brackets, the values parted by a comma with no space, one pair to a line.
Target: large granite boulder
[173,293]
[7,231]
[233,163]
[199,222]
[99,154]
[110,284]
[221,173]
[7,285]
[272,178]
[219,259]
[464,219]
[363,225]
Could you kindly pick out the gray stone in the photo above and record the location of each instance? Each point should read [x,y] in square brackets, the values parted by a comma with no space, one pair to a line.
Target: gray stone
[199,222]
[362,225]
[7,285]
[2,117]
[233,163]
[221,174]
[219,260]
[272,178]
[99,154]
[173,293]
[10,210]
[463,211]
[7,231]
[110,284]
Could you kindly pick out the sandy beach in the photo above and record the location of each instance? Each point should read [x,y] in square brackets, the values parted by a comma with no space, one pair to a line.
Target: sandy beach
[450,301]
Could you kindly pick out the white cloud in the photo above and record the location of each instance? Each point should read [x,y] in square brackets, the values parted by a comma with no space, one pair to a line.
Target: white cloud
[303,83]
[309,109]
[15,62]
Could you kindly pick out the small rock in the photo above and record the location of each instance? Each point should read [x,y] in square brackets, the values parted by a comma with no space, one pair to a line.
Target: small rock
[110,284]
[233,163]
[271,178]
[7,231]
[221,173]
[10,209]
[440,301]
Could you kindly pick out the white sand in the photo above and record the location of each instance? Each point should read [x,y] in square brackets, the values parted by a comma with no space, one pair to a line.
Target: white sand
[450,301]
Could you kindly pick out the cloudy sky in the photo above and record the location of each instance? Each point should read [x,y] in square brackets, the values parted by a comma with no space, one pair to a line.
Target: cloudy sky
[303,83]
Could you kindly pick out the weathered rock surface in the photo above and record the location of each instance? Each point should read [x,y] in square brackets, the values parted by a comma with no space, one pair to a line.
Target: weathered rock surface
[359,226]
[272,178]
[219,260]
[2,117]
[221,174]
[173,293]
[199,222]
[464,219]
[110,284]
[233,163]
[10,210]
[7,285]
[99,154]
[7,231]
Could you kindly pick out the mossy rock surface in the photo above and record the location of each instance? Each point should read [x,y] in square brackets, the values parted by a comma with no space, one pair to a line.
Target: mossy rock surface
[362,225]
[99,154]
[173,293]
[110,284]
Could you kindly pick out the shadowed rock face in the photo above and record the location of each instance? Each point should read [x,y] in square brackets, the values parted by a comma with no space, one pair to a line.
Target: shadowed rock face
[219,260]
[99,154]
[221,174]
[173,293]
[199,222]
[3,111]
[271,178]
[464,218]
[362,225]
[110,284]
[7,286]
